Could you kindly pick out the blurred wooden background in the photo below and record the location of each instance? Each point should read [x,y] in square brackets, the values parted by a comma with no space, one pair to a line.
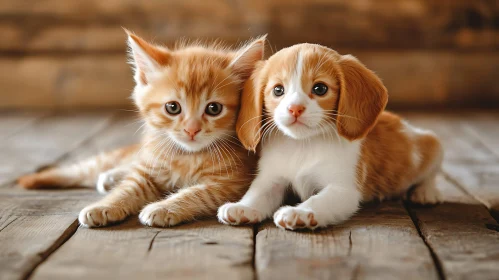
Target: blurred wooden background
[71,54]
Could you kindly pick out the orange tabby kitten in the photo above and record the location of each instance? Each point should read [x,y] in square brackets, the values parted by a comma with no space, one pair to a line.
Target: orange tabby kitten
[189,98]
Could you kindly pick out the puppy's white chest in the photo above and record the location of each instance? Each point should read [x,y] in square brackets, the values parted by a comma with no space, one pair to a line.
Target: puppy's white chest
[316,161]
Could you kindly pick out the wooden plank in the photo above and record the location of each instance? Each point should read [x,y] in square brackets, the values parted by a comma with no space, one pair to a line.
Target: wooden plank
[205,249]
[82,81]
[13,122]
[456,140]
[125,129]
[97,27]
[414,79]
[380,242]
[38,236]
[47,141]
[468,161]
[460,235]
[35,223]
[386,24]
[84,25]
[484,126]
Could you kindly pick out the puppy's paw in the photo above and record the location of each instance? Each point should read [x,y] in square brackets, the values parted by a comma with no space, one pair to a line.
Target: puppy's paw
[156,215]
[292,218]
[100,215]
[237,214]
[426,193]
[426,196]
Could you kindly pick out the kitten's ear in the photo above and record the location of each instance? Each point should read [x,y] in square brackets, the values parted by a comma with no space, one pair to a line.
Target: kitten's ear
[245,59]
[147,59]
[249,120]
[363,98]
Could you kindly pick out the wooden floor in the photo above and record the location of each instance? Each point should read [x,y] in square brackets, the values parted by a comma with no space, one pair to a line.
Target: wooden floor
[40,237]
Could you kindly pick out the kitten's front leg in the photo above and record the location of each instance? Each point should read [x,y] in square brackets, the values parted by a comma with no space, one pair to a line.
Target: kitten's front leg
[264,196]
[189,204]
[332,205]
[126,199]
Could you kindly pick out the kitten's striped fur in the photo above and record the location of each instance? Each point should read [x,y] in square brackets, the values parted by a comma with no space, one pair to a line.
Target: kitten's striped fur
[193,159]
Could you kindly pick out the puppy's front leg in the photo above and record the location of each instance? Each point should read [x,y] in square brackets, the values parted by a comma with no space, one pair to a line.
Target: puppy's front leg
[332,205]
[264,196]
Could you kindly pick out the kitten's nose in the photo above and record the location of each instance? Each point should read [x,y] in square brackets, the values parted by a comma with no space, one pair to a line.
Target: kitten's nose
[192,127]
[296,110]
[192,131]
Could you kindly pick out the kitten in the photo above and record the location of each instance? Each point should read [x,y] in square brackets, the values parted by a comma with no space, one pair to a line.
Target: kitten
[189,98]
[326,134]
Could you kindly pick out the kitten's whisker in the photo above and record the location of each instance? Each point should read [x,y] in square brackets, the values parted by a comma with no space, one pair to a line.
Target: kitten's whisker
[223,159]
[226,153]
[233,151]
[139,128]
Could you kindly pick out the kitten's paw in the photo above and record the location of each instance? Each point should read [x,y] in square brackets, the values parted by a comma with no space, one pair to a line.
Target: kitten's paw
[292,218]
[237,214]
[97,215]
[155,215]
[107,181]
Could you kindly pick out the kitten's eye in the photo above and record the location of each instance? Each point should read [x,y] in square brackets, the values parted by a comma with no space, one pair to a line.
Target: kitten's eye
[213,109]
[173,108]
[278,90]
[319,89]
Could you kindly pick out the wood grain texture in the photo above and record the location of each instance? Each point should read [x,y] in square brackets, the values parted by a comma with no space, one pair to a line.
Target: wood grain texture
[414,79]
[81,81]
[469,162]
[459,234]
[13,122]
[35,223]
[484,126]
[40,238]
[46,141]
[28,240]
[51,25]
[458,231]
[205,249]
[380,242]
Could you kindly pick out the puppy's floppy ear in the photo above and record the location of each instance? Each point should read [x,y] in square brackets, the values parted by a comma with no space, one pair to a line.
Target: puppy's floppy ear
[249,120]
[363,98]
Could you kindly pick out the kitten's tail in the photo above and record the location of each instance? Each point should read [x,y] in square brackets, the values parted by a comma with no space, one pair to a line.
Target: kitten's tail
[84,173]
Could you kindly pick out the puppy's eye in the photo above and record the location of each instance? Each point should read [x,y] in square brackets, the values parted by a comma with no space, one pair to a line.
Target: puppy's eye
[319,89]
[173,108]
[213,109]
[278,90]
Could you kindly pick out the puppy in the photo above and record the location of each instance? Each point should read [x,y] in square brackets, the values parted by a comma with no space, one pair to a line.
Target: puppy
[320,117]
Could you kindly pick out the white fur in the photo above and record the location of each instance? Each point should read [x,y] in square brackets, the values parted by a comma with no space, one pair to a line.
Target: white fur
[320,168]
[142,62]
[109,179]
[413,132]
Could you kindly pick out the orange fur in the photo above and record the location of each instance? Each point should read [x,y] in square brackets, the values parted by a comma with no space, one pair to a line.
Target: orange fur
[386,165]
[84,173]
[197,179]
[358,97]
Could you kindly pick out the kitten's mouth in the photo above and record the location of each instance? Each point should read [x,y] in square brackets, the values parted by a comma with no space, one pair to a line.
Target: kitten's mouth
[297,122]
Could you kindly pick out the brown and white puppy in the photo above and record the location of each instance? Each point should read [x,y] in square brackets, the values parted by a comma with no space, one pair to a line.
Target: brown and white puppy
[320,117]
